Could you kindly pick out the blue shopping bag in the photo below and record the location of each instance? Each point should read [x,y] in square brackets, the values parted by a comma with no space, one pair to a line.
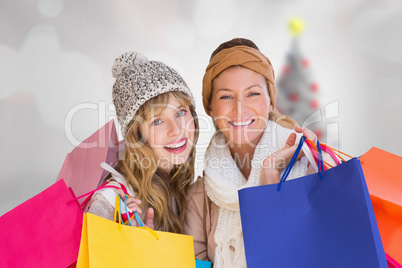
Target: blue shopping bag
[202,264]
[320,220]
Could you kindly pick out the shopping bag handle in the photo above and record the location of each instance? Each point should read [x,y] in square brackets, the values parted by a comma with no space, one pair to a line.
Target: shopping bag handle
[135,214]
[117,213]
[326,149]
[90,194]
[293,160]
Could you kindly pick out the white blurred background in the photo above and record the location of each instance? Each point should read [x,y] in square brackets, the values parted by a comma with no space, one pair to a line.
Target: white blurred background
[56,58]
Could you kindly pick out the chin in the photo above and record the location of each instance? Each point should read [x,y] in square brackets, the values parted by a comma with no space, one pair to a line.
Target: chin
[180,159]
[243,138]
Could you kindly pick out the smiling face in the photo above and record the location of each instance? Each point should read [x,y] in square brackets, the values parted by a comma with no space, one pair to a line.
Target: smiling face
[169,132]
[240,105]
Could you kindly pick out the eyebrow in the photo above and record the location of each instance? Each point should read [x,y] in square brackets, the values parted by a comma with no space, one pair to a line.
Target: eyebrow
[256,85]
[159,112]
[223,89]
[180,107]
[228,90]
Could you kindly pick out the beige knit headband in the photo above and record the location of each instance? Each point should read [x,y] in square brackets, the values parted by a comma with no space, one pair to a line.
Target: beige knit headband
[239,55]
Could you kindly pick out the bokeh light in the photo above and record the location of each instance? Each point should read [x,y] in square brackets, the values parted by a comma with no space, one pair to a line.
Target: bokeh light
[378,32]
[209,18]
[50,8]
[180,35]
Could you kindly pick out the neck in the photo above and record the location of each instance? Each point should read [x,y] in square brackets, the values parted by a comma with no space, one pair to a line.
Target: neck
[243,154]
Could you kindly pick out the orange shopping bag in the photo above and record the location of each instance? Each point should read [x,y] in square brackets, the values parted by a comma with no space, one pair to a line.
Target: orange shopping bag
[384,181]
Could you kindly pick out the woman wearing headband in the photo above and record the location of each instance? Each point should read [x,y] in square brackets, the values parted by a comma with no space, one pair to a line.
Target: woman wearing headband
[252,144]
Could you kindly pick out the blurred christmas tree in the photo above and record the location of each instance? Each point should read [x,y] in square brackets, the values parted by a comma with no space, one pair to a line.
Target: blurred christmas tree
[297,92]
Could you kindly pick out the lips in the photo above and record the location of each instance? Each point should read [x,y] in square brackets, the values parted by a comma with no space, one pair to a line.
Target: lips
[177,146]
[241,124]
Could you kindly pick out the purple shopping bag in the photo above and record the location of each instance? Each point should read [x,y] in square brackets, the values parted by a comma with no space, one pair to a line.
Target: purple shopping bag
[44,231]
[320,220]
[81,169]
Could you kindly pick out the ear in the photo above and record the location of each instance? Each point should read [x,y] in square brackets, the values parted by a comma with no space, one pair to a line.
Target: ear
[271,107]
[210,109]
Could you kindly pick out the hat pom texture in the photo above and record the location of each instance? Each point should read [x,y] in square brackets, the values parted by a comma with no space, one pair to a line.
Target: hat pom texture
[126,60]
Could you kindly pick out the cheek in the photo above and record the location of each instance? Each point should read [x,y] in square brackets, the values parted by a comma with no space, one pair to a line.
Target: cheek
[190,127]
[213,107]
[263,107]
[155,137]
[217,106]
[221,110]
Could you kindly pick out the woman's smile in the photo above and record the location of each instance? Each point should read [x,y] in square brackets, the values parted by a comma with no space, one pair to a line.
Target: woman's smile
[241,123]
[176,147]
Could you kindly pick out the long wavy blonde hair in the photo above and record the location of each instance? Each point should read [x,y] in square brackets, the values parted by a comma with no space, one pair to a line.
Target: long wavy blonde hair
[152,186]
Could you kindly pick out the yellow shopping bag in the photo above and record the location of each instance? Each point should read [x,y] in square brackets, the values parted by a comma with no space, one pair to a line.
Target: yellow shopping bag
[105,243]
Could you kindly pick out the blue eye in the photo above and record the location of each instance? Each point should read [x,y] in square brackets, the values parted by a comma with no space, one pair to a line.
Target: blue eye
[156,122]
[255,94]
[225,97]
[181,113]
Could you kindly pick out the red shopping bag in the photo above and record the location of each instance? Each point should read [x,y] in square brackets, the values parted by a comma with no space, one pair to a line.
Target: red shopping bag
[81,169]
[44,231]
[384,181]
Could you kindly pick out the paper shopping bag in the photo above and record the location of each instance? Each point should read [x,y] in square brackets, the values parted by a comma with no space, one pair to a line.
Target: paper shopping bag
[105,243]
[202,264]
[81,169]
[384,181]
[319,220]
[391,262]
[44,231]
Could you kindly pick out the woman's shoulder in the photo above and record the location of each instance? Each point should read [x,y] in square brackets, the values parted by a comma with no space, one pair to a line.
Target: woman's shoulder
[101,205]
[108,193]
[197,189]
[110,186]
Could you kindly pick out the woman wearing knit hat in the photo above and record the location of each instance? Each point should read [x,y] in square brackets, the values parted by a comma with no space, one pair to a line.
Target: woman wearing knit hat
[252,144]
[156,112]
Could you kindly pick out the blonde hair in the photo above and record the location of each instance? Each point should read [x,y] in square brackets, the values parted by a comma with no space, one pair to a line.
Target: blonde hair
[152,186]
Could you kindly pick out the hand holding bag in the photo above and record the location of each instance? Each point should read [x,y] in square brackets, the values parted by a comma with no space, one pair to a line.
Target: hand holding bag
[106,243]
[320,220]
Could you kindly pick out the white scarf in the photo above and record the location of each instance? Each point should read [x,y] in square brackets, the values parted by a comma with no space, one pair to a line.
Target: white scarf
[222,181]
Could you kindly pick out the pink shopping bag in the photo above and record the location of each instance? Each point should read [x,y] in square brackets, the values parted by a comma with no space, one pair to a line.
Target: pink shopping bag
[44,231]
[81,169]
[391,262]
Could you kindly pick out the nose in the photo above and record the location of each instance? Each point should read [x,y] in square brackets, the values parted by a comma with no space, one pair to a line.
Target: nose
[174,128]
[241,107]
